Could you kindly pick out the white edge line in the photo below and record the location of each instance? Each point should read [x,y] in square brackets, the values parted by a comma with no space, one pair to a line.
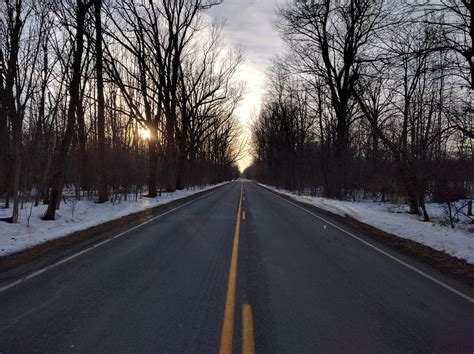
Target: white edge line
[409,266]
[107,240]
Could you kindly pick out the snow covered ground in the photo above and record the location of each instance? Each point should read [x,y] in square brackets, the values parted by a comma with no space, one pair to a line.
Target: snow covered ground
[72,217]
[394,219]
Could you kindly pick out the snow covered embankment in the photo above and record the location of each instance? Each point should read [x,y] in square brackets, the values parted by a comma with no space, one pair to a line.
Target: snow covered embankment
[394,219]
[73,216]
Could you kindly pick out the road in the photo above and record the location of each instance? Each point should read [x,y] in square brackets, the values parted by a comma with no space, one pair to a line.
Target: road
[239,269]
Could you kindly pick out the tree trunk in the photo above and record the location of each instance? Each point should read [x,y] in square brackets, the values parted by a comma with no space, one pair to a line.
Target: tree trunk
[82,139]
[59,169]
[421,202]
[181,167]
[103,195]
[413,204]
[152,158]
[4,143]
[170,156]
[16,119]
[16,170]
[340,151]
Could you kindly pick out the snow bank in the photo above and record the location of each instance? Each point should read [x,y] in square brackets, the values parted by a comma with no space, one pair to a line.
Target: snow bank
[394,219]
[72,217]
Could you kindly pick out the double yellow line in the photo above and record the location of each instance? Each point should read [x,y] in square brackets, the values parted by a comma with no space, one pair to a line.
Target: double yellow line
[229,311]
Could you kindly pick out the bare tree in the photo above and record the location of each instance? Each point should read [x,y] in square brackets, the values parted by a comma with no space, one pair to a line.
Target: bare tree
[59,167]
[103,195]
[329,40]
[208,95]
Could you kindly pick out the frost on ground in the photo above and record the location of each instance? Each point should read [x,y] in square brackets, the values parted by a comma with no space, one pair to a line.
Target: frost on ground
[73,216]
[394,219]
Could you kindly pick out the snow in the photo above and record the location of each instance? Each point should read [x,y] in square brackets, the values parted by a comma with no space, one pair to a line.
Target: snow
[73,216]
[394,219]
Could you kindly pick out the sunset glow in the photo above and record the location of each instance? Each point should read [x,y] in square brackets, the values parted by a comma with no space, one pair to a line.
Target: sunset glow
[144,133]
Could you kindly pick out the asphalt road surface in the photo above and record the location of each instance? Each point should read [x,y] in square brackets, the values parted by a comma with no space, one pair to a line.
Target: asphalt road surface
[239,269]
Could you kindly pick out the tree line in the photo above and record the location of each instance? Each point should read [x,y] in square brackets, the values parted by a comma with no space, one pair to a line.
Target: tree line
[113,97]
[371,98]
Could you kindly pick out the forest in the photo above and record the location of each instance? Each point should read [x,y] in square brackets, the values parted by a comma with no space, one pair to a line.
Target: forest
[371,99]
[103,97]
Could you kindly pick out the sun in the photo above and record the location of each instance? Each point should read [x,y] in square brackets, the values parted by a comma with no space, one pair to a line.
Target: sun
[144,133]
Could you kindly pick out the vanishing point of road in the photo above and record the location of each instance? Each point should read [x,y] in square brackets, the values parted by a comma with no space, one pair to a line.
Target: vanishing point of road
[239,269]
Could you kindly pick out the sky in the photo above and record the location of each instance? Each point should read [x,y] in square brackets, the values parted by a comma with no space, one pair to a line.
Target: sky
[249,25]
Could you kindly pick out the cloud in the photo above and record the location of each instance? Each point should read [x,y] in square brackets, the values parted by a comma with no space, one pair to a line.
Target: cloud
[249,25]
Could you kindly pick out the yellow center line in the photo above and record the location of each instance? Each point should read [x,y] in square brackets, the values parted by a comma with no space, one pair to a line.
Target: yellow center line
[229,311]
[248,346]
